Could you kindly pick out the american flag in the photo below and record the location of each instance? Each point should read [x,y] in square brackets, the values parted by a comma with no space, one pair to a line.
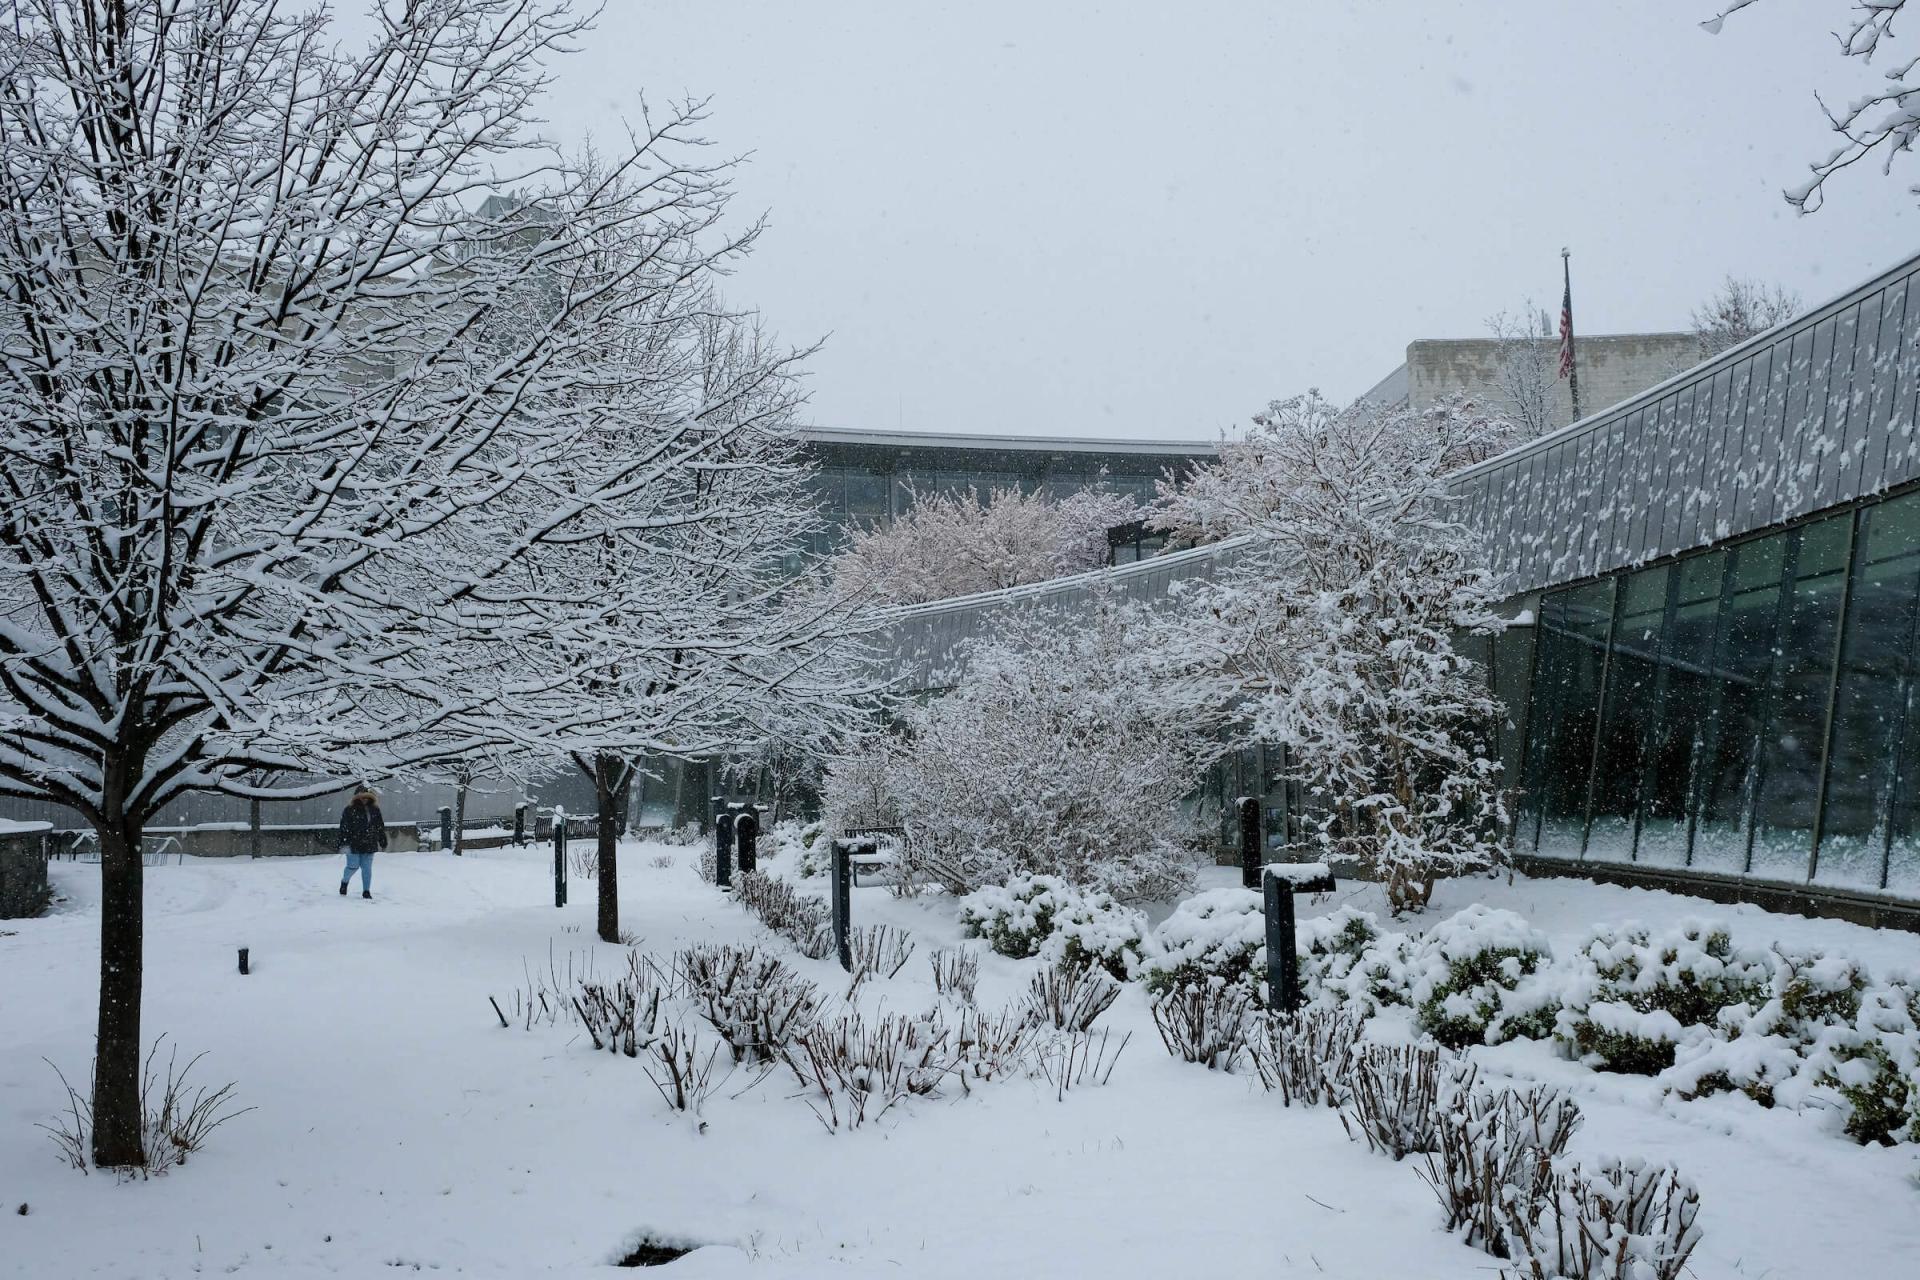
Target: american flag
[1566,332]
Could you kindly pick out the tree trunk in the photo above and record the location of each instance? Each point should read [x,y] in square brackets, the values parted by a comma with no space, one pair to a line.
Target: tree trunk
[460,818]
[606,789]
[116,1062]
[623,800]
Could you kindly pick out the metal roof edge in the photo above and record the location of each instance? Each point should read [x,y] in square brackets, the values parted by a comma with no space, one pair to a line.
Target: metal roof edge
[1051,586]
[1699,372]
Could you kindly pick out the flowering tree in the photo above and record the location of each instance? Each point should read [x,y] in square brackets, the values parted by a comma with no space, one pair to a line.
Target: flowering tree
[1058,754]
[294,426]
[1332,634]
[956,544]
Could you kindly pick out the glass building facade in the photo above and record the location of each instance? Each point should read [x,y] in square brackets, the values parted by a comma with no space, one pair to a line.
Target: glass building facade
[1745,710]
[1716,589]
[865,479]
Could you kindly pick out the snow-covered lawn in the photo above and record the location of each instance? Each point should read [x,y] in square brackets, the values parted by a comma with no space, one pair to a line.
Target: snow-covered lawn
[397,1126]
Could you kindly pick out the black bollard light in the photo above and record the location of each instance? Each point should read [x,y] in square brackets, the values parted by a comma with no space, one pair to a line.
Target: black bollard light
[723,849]
[243,960]
[446,827]
[1252,854]
[1281,882]
[559,857]
[746,838]
[519,825]
[843,899]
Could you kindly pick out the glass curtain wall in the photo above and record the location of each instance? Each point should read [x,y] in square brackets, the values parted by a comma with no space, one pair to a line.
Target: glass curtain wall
[1745,710]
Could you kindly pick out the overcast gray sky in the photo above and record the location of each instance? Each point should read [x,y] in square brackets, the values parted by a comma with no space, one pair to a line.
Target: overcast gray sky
[1146,220]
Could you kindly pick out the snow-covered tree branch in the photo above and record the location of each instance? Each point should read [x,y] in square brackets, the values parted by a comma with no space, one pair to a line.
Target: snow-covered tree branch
[956,544]
[1883,123]
[307,449]
[1332,635]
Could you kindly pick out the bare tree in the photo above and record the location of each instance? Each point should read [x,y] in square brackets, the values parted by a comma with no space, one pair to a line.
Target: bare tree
[1526,366]
[1883,123]
[1739,309]
[282,398]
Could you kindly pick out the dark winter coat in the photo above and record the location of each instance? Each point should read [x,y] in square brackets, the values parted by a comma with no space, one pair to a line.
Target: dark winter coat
[362,830]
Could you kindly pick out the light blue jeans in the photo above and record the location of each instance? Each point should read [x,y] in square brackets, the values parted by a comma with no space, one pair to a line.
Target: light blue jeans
[363,862]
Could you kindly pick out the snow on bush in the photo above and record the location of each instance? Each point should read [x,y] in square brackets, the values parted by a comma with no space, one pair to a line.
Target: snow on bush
[1044,916]
[1306,1056]
[1212,938]
[1094,930]
[1465,969]
[956,544]
[1496,1147]
[1617,1220]
[1058,753]
[857,792]
[1207,1022]
[1875,1064]
[1346,960]
[1631,999]
[1334,633]
[1017,917]
[1766,1052]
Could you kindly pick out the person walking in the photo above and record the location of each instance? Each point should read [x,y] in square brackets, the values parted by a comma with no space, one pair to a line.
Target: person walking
[362,831]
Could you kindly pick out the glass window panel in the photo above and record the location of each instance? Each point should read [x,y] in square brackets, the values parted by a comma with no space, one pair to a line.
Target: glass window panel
[1684,696]
[1572,639]
[1802,677]
[1743,657]
[1633,668]
[1871,702]
[1512,672]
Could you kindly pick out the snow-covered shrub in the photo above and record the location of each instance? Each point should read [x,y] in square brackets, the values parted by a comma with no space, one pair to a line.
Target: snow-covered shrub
[1071,997]
[1347,960]
[1068,1059]
[855,1070]
[1017,917]
[1058,753]
[1464,969]
[956,972]
[1397,1095]
[992,1046]
[1632,999]
[800,918]
[1495,1146]
[1773,1054]
[622,1016]
[879,950]
[1205,1022]
[954,544]
[1094,930]
[1618,1220]
[1875,1064]
[1306,1056]
[682,1074]
[754,1001]
[1219,936]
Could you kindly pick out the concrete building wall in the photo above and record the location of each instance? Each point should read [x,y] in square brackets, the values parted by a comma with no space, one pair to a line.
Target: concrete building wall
[1612,367]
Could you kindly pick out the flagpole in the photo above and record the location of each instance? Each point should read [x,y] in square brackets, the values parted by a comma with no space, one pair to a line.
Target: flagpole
[1566,325]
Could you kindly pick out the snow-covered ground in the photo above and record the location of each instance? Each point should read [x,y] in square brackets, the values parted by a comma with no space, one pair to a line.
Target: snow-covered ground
[398,1128]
